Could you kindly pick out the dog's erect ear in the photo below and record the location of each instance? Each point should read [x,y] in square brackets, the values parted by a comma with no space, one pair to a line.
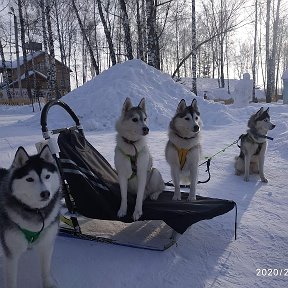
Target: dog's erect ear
[142,105]
[181,106]
[194,106]
[46,154]
[20,158]
[127,105]
[259,112]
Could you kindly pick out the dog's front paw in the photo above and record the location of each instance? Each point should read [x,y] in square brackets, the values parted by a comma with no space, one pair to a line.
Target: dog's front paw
[264,180]
[122,212]
[246,178]
[155,196]
[237,172]
[176,196]
[137,214]
[191,198]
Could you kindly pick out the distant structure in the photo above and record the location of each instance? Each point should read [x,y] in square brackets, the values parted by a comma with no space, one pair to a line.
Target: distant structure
[243,91]
[37,76]
[285,87]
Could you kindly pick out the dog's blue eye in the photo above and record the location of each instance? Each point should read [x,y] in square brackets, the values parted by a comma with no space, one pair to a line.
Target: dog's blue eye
[30,179]
[134,119]
[196,118]
[47,176]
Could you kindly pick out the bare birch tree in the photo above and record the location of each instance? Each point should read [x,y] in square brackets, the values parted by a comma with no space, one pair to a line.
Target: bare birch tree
[22,32]
[93,61]
[194,51]
[5,73]
[107,33]
[126,27]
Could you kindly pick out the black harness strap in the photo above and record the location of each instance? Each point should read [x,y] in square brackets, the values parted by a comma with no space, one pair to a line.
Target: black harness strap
[133,159]
[250,139]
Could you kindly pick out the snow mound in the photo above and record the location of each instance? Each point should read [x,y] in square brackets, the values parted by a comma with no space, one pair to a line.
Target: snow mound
[98,102]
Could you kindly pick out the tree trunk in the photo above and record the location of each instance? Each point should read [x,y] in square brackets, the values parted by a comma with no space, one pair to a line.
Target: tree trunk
[95,35]
[45,44]
[53,80]
[140,47]
[5,74]
[194,50]
[269,89]
[126,27]
[62,52]
[107,33]
[22,30]
[255,52]
[274,47]
[152,38]
[93,61]
[177,40]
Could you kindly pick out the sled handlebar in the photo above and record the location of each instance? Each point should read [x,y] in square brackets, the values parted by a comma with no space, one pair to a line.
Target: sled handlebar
[44,115]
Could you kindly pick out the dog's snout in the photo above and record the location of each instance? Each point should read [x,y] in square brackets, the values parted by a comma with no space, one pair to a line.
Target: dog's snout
[145,130]
[196,128]
[45,195]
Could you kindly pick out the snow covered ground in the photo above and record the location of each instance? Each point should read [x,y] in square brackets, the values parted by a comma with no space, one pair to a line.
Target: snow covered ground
[207,254]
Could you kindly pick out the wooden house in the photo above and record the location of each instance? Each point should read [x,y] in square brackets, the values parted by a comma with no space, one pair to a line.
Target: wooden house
[37,76]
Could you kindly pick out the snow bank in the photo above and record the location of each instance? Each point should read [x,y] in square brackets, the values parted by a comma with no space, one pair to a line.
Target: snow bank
[98,102]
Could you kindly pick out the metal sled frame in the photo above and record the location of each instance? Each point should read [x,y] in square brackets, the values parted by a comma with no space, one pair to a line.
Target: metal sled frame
[76,225]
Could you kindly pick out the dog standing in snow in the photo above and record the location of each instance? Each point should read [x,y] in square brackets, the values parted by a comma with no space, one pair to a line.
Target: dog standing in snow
[133,161]
[183,148]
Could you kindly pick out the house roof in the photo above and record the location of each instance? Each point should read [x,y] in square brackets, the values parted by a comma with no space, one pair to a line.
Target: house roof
[30,73]
[30,56]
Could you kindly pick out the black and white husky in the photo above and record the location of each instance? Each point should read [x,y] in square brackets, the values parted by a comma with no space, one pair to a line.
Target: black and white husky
[29,211]
[253,146]
[183,148]
[133,161]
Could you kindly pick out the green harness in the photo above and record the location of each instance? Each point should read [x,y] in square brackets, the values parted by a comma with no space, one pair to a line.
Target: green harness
[32,236]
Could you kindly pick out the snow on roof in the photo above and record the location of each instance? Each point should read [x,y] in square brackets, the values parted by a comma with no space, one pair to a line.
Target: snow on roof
[30,72]
[285,74]
[98,103]
[13,64]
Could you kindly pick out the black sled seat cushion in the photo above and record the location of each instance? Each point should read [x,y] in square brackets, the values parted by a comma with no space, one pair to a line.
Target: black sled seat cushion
[95,189]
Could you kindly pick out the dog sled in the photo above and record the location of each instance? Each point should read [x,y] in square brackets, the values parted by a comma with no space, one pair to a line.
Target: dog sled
[92,196]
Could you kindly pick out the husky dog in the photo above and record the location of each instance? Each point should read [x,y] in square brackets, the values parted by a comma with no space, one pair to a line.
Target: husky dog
[253,145]
[29,211]
[133,161]
[183,148]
